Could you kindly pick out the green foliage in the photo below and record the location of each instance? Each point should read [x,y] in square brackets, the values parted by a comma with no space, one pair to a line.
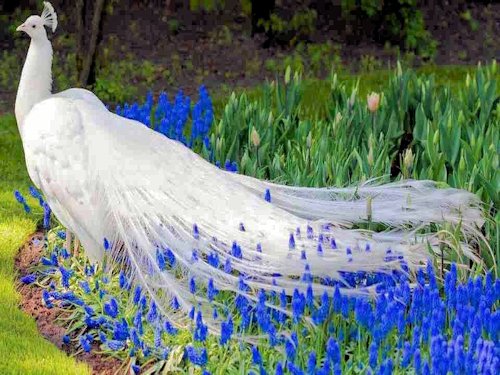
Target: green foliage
[12,21]
[10,70]
[207,5]
[416,37]
[311,59]
[121,81]
[174,25]
[471,21]
[369,64]
[221,35]
[454,135]
[404,23]
[370,7]
[299,27]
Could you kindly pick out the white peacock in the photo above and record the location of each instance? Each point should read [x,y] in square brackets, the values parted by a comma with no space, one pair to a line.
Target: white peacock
[105,176]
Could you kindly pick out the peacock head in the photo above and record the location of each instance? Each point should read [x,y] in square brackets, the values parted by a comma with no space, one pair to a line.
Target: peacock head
[34,25]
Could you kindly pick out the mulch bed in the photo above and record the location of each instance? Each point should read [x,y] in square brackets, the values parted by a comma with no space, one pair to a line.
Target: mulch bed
[31,303]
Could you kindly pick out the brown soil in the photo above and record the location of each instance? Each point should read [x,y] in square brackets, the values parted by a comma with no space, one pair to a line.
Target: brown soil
[31,303]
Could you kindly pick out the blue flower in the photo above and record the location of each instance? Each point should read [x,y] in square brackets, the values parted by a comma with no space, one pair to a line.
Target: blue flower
[170,257]
[34,193]
[64,253]
[236,251]
[311,363]
[192,285]
[333,350]
[120,330]
[160,259]
[28,279]
[259,248]
[115,345]
[201,330]
[122,280]
[213,259]
[137,295]
[333,244]
[197,357]
[152,313]
[279,369]
[290,350]
[242,286]
[102,337]
[175,303]
[89,310]
[294,370]
[89,270]
[111,308]
[320,249]
[169,328]
[65,339]
[85,343]
[256,357]
[227,266]
[298,305]
[19,197]
[46,215]
[136,369]
[106,244]
[405,361]
[267,195]
[310,234]
[211,290]
[417,361]
[157,338]
[94,322]
[65,276]
[226,331]
[373,355]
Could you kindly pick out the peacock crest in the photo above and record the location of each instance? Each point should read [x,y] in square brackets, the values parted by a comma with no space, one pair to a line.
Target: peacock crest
[49,16]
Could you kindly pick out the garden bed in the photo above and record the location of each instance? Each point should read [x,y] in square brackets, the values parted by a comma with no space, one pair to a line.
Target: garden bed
[31,303]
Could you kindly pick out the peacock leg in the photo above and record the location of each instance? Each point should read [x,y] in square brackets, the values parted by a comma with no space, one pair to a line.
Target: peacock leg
[68,240]
[76,246]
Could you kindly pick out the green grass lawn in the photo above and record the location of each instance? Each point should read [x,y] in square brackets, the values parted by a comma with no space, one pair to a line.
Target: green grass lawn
[22,349]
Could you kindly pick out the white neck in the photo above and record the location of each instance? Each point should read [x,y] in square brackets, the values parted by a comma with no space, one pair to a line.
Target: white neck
[35,84]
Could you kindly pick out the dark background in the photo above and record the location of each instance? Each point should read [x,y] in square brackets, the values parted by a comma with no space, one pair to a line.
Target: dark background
[123,48]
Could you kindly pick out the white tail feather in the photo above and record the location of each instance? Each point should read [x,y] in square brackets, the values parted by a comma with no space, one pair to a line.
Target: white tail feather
[162,189]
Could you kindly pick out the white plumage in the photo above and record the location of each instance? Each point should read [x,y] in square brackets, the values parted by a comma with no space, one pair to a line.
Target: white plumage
[105,176]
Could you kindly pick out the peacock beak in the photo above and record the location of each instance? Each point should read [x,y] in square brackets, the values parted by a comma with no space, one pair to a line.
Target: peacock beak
[20,27]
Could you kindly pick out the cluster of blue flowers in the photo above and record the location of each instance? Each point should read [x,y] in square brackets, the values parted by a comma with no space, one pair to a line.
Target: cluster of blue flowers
[172,119]
[421,327]
[35,194]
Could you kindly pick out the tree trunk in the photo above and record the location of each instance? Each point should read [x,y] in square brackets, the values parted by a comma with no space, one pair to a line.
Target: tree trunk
[88,51]
[80,6]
